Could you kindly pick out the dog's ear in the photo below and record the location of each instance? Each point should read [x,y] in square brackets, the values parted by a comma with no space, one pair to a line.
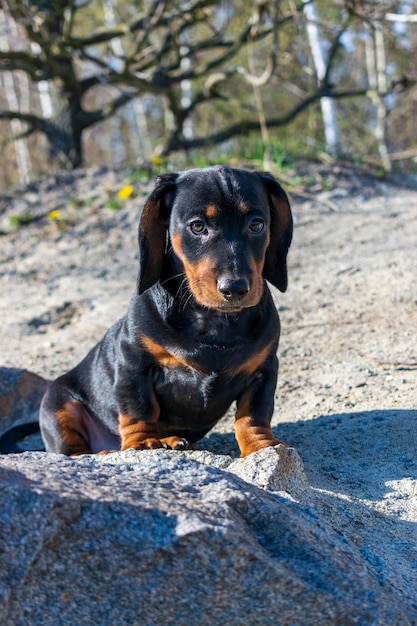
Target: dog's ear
[275,267]
[152,232]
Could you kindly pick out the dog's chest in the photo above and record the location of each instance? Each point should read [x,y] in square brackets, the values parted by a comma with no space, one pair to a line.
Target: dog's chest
[184,394]
[203,360]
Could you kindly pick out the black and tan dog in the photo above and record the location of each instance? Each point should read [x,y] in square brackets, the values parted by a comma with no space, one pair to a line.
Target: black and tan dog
[201,330]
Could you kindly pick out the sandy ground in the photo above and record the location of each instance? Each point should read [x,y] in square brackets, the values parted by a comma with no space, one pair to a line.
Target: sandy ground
[346,398]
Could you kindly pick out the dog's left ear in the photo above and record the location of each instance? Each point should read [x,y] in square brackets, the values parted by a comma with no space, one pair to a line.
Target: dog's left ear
[152,232]
[275,267]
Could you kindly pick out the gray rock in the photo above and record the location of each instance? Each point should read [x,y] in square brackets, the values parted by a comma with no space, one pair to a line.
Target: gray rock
[275,469]
[154,537]
[21,392]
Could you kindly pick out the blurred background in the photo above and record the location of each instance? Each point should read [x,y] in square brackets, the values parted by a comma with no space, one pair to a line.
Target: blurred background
[170,83]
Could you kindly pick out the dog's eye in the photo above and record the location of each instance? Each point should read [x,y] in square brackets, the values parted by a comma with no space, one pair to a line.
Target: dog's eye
[256,225]
[198,227]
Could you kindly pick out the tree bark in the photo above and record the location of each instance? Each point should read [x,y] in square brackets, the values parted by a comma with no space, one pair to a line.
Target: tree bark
[23,162]
[327,105]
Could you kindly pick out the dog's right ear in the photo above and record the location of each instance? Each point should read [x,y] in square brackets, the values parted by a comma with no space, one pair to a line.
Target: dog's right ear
[152,232]
[275,268]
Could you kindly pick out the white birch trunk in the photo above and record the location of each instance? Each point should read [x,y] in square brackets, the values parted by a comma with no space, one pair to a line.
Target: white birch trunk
[328,105]
[376,69]
[23,163]
[135,108]
[44,92]
[186,93]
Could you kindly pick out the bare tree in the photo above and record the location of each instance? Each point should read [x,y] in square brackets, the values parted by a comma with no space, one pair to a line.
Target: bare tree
[375,16]
[154,62]
[197,56]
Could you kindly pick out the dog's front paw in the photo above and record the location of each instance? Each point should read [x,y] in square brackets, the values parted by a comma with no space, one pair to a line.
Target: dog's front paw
[151,443]
[257,444]
[175,443]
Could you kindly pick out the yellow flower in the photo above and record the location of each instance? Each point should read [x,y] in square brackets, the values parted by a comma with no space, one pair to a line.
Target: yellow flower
[126,192]
[54,215]
[156,160]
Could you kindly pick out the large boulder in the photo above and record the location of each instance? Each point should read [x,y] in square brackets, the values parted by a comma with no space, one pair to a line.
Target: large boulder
[161,537]
[21,393]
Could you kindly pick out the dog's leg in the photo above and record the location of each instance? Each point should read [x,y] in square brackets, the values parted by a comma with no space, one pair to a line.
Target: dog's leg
[253,416]
[65,431]
[138,435]
[175,443]
[142,436]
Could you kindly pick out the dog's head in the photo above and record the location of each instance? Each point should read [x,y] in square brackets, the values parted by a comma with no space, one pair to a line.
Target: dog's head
[224,229]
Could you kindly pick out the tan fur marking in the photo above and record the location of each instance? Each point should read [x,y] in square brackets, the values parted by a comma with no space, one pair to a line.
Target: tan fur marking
[200,276]
[138,435]
[177,245]
[144,436]
[202,280]
[71,420]
[250,436]
[175,443]
[211,211]
[255,362]
[161,354]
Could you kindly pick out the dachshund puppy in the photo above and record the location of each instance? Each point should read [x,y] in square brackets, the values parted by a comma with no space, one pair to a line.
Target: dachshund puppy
[201,330]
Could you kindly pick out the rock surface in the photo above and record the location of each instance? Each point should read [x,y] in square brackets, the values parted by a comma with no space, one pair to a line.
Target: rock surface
[346,400]
[156,537]
[21,392]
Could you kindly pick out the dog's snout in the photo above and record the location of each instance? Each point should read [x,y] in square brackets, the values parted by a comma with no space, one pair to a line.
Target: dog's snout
[233,288]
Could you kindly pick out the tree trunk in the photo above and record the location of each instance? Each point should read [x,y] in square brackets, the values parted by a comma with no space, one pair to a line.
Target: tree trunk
[135,115]
[376,68]
[23,163]
[328,105]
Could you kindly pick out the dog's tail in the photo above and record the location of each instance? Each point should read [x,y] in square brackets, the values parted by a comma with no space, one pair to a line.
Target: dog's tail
[9,439]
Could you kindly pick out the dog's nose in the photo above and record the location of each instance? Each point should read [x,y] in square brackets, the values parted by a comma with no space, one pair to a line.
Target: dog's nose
[233,288]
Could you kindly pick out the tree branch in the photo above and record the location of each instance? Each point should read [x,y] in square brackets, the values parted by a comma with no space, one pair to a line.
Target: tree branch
[88,118]
[12,60]
[245,127]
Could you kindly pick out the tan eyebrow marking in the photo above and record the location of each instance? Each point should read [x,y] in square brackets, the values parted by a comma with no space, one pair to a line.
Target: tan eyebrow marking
[211,211]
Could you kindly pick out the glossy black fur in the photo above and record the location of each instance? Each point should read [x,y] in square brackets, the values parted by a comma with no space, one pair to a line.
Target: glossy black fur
[117,374]
[207,347]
